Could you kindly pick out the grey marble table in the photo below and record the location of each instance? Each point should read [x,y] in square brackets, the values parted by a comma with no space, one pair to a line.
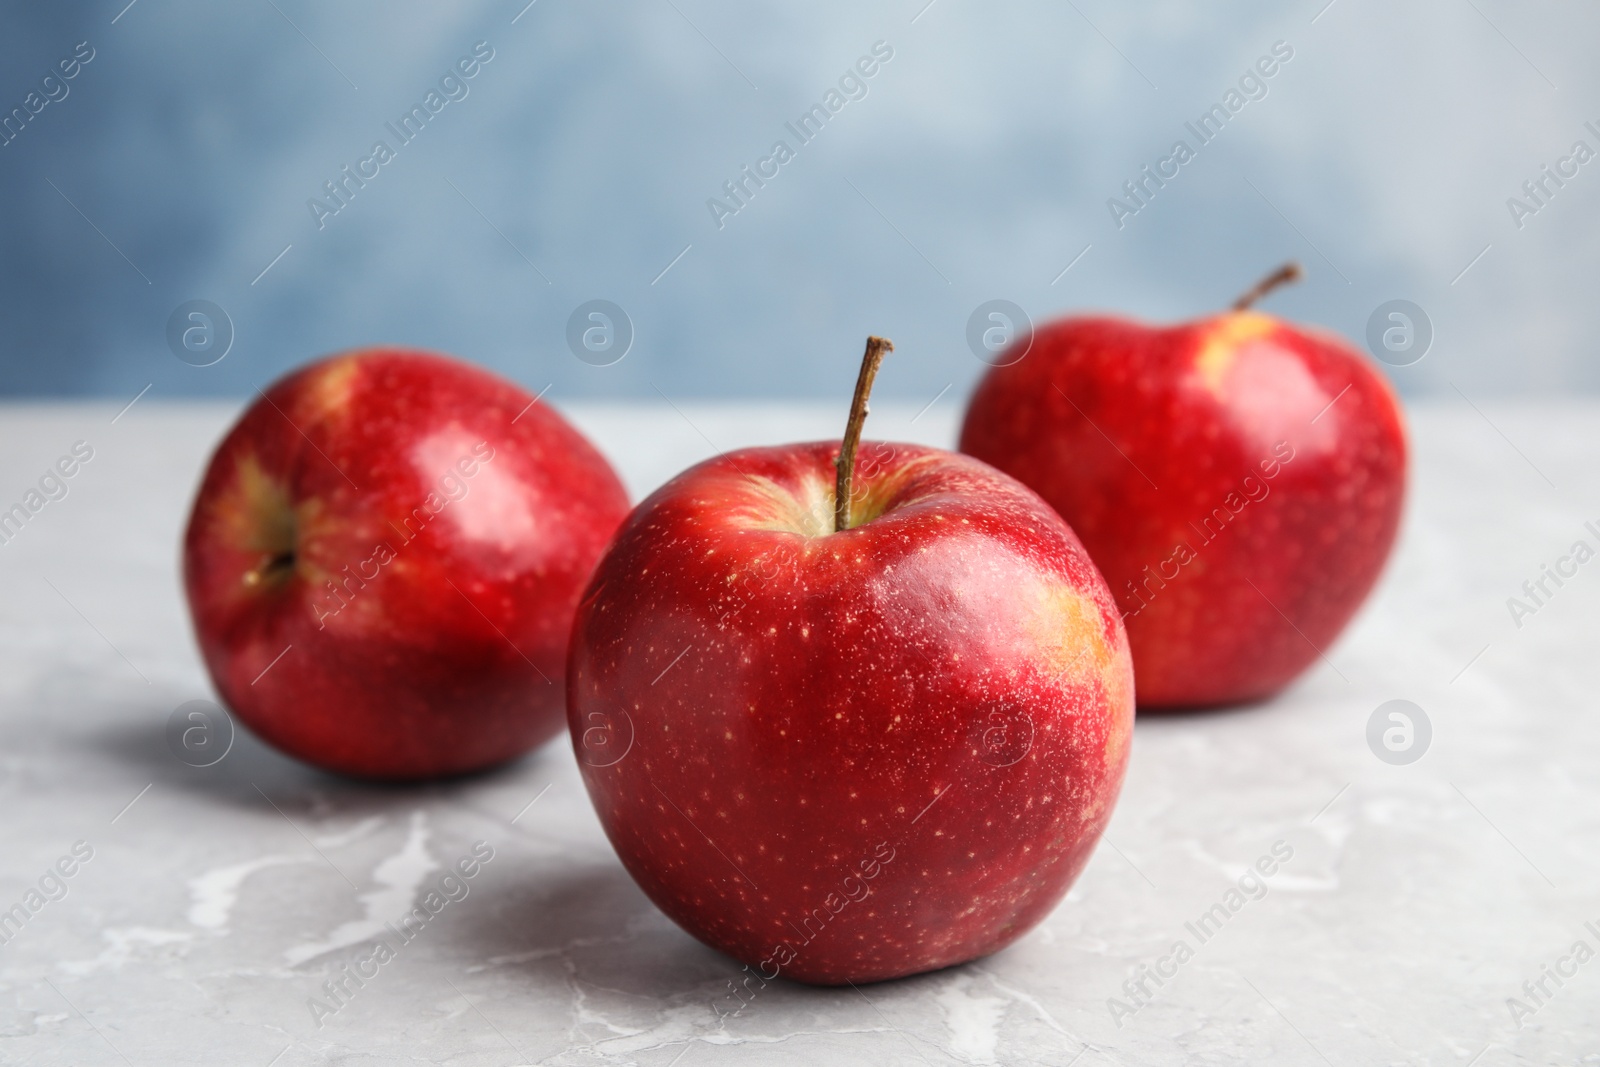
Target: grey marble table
[1430,912]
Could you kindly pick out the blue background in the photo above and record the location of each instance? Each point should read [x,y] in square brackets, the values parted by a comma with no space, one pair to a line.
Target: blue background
[977,166]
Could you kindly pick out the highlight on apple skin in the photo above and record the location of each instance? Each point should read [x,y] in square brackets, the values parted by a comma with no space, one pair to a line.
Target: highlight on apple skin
[846,752]
[1238,480]
[384,558]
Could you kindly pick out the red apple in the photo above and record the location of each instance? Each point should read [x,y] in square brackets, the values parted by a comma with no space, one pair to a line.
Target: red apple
[843,751]
[1237,479]
[384,559]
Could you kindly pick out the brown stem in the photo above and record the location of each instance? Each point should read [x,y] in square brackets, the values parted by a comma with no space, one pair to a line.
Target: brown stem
[1289,272]
[845,465]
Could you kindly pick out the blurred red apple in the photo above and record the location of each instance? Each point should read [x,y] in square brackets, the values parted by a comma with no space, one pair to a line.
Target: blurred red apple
[1237,479]
[384,559]
[847,747]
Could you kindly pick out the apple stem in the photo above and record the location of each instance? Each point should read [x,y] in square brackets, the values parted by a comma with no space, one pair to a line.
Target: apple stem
[1289,272]
[845,465]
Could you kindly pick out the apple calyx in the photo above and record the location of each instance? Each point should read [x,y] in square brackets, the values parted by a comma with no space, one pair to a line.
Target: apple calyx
[274,569]
[1289,272]
[266,524]
[845,464]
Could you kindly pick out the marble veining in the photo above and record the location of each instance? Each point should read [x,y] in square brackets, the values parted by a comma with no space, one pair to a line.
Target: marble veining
[1420,904]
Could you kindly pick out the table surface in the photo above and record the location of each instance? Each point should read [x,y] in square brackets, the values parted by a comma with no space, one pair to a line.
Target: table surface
[217,901]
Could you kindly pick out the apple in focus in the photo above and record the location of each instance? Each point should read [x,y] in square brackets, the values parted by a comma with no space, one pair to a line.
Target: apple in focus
[383,562]
[1237,479]
[850,745]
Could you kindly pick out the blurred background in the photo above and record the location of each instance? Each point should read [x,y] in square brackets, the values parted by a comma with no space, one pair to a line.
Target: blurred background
[184,158]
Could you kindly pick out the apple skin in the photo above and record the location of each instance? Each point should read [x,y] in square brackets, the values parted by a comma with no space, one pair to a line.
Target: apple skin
[1239,519]
[443,650]
[764,710]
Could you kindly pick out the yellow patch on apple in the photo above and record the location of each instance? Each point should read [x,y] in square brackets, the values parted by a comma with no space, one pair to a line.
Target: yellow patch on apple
[1223,338]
